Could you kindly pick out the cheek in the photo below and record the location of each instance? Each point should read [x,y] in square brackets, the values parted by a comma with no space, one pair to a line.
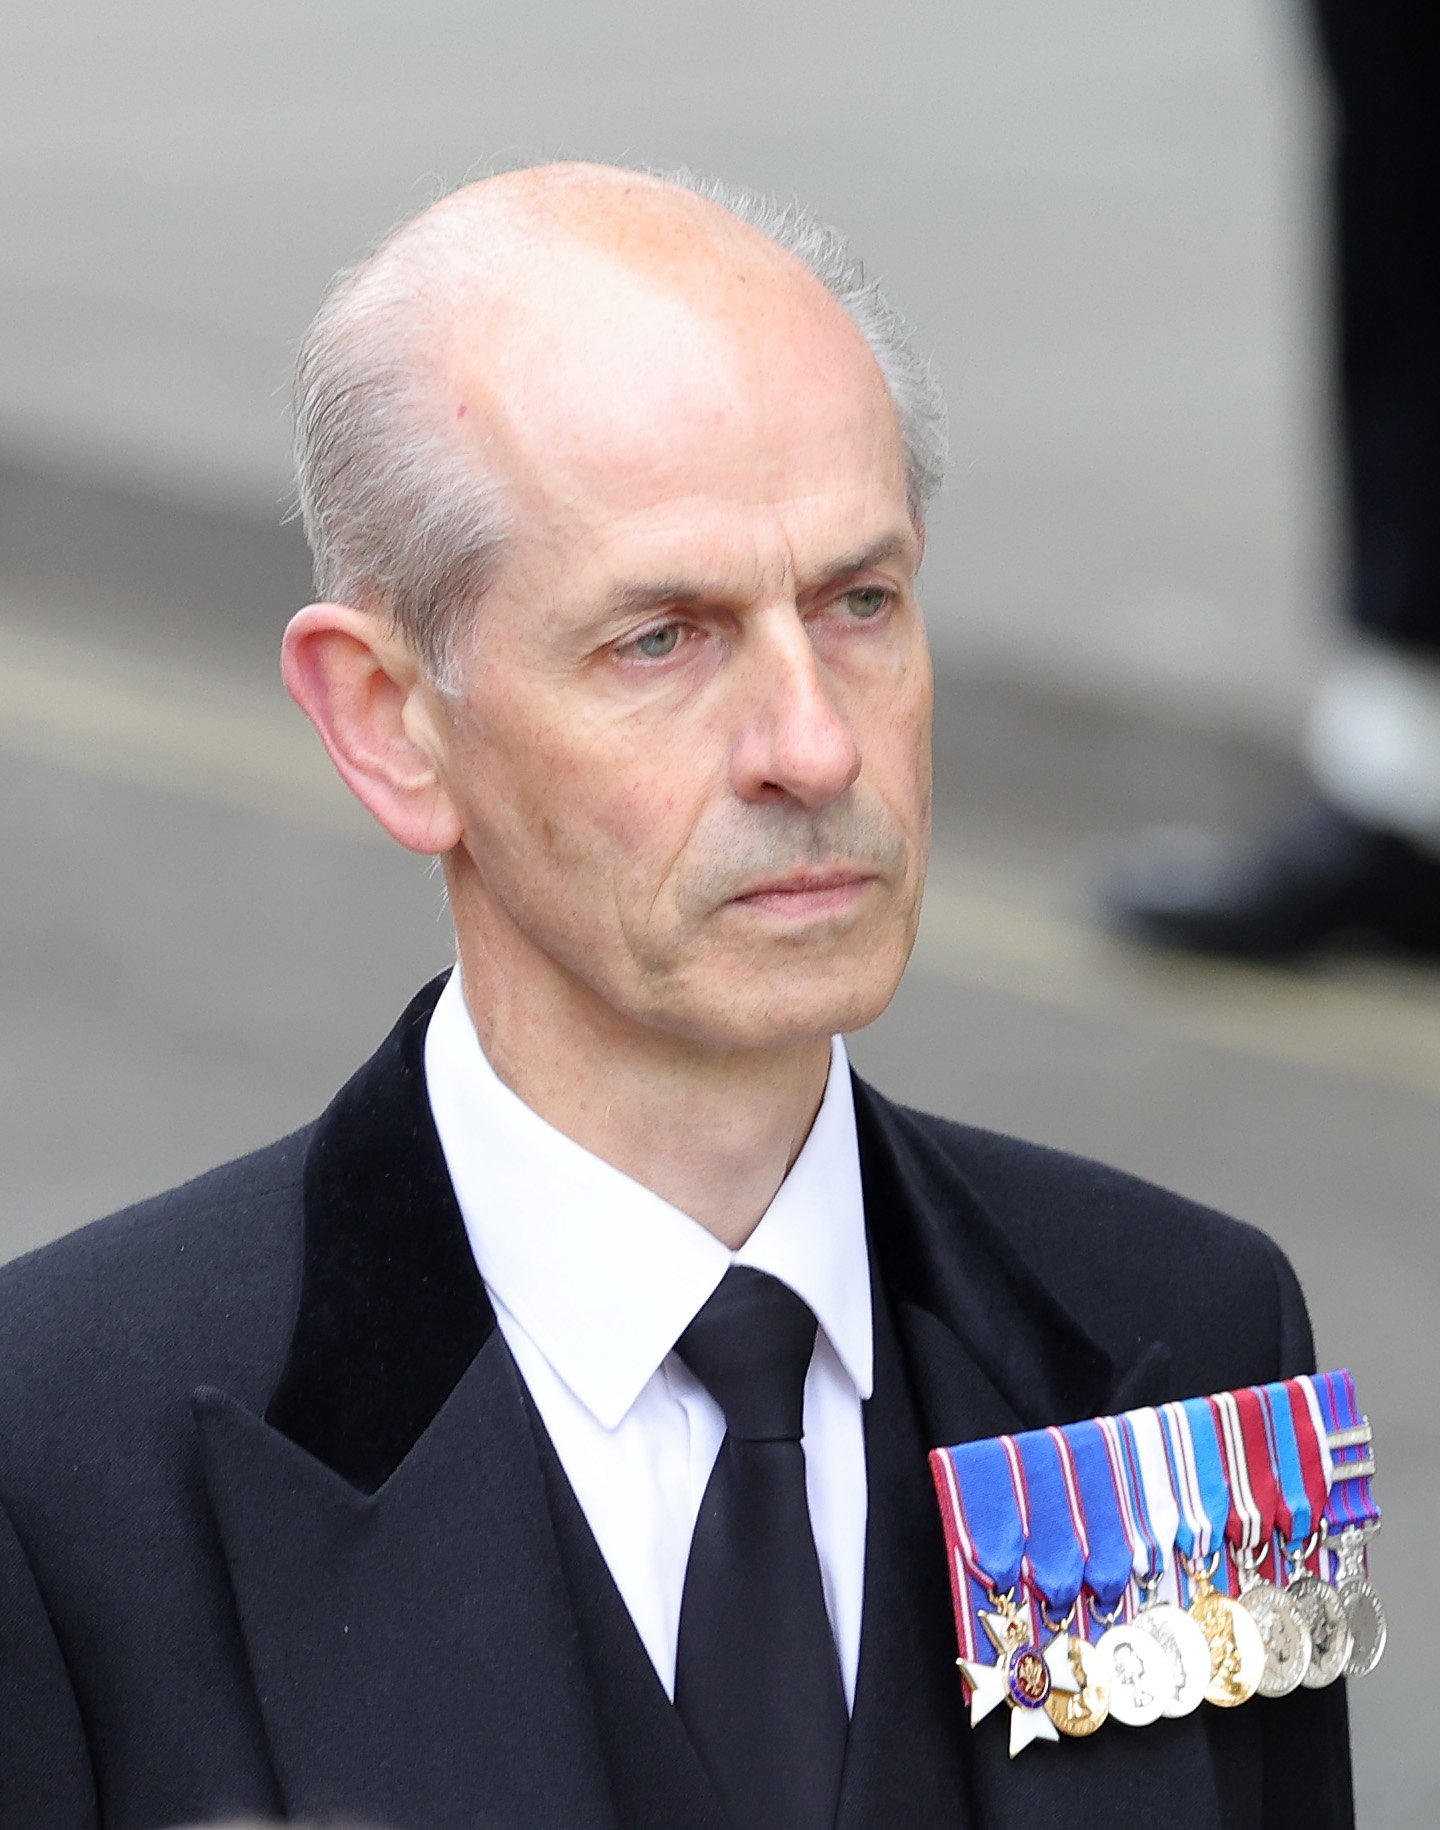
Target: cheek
[638,832]
[897,754]
[539,805]
[919,703]
[518,791]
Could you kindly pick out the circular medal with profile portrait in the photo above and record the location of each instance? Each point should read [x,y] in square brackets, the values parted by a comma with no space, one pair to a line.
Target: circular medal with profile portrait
[1237,1652]
[1141,1674]
[1189,1649]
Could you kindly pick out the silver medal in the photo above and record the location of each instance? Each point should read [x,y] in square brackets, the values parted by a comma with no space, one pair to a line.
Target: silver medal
[1188,1648]
[1366,1620]
[1364,1615]
[1323,1613]
[1141,1674]
[1288,1650]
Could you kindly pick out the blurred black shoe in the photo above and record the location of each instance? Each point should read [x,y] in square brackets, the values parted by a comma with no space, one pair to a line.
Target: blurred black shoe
[1316,877]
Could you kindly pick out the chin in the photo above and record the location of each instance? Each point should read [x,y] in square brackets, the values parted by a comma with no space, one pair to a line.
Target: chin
[797,1008]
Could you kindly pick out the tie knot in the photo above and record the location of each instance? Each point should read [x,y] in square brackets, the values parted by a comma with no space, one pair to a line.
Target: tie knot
[750,1347]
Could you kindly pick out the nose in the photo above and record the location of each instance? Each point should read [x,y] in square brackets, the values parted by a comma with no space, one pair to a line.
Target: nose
[795,742]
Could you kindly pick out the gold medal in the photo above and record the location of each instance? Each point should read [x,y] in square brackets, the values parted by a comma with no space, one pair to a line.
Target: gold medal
[1237,1652]
[1080,1712]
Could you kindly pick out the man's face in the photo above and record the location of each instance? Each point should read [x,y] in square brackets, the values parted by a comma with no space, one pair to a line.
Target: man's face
[692,756]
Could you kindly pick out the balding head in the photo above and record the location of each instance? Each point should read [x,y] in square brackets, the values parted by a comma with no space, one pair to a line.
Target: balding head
[486,337]
[678,767]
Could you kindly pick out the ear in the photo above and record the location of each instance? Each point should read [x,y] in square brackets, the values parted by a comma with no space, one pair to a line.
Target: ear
[919,526]
[361,687]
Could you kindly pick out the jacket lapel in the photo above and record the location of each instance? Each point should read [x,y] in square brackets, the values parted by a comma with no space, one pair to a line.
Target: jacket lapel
[385,1523]
[991,1349]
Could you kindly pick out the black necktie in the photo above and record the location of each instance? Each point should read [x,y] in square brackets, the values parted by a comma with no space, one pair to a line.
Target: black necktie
[757,1680]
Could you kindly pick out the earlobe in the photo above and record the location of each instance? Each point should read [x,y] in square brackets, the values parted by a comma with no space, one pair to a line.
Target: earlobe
[360,687]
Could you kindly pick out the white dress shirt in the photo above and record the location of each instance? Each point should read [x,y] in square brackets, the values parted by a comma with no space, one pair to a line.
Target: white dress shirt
[594,1278]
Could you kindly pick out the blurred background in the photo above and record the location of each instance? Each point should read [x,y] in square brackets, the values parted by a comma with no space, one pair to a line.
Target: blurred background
[1108,220]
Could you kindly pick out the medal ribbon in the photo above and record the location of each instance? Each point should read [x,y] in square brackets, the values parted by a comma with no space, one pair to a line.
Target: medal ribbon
[1253,1461]
[1351,1500]
[1295,1515]
[990,1525]
[1056,1545]
[1284,1457]
[1192,1530]
[1153,1480]
[1242,1515]
[964,1590]
[1212,1487]
[984,1501]
[1307,1386]
[1099,1485]
[1139,1543]
[1315,1460]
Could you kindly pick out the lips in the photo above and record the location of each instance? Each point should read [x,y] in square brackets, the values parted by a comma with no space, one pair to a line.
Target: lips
[805,883]
[807,892]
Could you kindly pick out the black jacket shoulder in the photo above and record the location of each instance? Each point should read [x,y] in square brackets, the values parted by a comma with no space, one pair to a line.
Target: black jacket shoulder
[1134,1261]
[194,1286]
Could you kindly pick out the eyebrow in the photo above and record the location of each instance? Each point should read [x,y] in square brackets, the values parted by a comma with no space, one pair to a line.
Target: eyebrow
[661,593]
[892,546]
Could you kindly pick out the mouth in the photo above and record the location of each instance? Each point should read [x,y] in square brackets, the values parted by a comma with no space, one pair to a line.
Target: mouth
[808,893]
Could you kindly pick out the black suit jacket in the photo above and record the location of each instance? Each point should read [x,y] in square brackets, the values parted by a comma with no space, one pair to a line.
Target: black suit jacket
[281,1533]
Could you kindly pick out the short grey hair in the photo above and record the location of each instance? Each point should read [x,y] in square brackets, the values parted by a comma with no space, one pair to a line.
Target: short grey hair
[400,518]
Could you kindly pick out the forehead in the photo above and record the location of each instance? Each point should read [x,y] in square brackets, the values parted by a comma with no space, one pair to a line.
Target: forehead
[742,395]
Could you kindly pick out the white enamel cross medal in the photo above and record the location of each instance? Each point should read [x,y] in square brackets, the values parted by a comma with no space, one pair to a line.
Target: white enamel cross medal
[1024,1675]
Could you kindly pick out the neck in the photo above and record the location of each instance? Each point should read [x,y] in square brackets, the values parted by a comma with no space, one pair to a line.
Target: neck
[712,1131]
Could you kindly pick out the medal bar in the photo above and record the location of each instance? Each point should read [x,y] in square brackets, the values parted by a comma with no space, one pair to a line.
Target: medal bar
[1126,1569]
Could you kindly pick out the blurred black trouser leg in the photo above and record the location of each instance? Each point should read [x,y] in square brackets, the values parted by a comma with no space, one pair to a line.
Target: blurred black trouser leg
[1383,62]
[1359,855]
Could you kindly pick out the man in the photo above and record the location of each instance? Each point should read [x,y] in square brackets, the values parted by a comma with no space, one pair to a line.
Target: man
[540,1437]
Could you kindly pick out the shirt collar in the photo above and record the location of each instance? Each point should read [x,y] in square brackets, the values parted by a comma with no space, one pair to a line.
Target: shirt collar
[601,1273]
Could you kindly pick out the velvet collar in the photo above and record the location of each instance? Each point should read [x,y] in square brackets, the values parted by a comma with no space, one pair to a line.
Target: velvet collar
[392,1309]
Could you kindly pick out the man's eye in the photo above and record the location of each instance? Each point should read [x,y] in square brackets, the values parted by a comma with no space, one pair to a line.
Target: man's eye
[866,601]
[655,644]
